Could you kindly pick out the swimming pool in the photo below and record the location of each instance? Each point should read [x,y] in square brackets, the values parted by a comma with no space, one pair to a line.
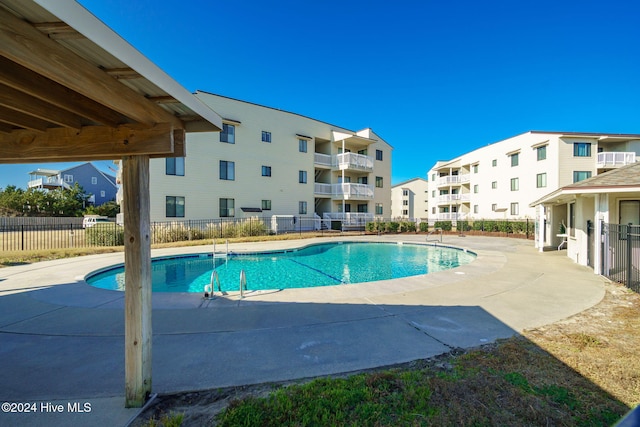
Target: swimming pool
[324,264]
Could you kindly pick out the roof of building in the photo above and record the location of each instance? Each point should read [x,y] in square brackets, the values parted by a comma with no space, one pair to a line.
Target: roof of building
[400,184]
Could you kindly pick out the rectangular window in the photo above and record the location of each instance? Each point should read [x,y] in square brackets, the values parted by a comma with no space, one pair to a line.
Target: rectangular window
[227,208]
[541,180]
[515,184]
[227,170]
[405,192]
[433,210]
[541,152]
[379,182]
[103,193]
[475,168]
[494,185]
[581,175]
[475,189]
[302,145]
[68,178]
[363,208]
[266,205]
[378,208]
[175,166]
[581,149]
[405,212]
[266,170]
[94,180]
[174,207]
[433,193]
[405,203]
[494,206]
[572,219]
[515,159]
[302,208]
[266,136]
[475,209]
[379,155]
[515,210]
[494,162]
[302,177]
[228,134]
[433,177]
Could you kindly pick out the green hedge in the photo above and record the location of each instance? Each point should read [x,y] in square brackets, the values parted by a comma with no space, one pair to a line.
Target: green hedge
[105,235]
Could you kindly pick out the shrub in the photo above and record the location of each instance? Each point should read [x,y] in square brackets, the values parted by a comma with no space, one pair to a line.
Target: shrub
[443,225]
[105,235]
[407,226]
[463,226]
[393,227]
[424,227]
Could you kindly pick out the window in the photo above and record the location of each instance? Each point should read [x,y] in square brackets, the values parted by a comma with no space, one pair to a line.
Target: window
[515,158]
[494,162]
[541,180]
[228,134]
[302,145]
[433,211]
[379,155]
[494,185]
[433,177]
[378,208]
[227,170]
[405,203]
[363,208]
[433,193]
[266,170]
[572,219]
[175,166]
[515,210]
[515,185]
[94,180]
[266,136]
[302,208]
[363,180]
[266,205]
[103,193]
[541,152]
[475,209]
[68,178]
[302,177]
[475,189]
[227,208]
[405,212]
[581,175]
[405,192]
[581,149]
[475,168]
[494,206]
[379,182]
[174,206]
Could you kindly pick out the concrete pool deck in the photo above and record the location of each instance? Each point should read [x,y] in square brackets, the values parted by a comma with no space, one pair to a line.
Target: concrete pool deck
[62,341]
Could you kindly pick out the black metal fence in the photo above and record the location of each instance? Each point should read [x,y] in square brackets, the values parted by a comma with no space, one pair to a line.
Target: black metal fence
[621,254]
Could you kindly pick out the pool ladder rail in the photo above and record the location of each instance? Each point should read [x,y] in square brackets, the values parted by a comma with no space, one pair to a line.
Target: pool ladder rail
[215,280]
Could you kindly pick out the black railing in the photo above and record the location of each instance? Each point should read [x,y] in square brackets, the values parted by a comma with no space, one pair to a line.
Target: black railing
[621,254]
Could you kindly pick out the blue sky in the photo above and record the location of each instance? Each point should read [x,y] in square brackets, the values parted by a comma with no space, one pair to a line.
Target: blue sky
[435,79]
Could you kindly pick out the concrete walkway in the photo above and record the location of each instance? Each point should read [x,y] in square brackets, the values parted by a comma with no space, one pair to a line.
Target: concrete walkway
[62,341]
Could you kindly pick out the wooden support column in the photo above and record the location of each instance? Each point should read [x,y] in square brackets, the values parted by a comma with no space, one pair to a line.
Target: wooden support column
[137,264]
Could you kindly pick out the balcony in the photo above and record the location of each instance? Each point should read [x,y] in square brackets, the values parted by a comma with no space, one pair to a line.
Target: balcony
[323,160]
[453,180]
[347,190]
[448,198]
[48,182]
[350,219]
[451,216]
[614,159]
[353,161]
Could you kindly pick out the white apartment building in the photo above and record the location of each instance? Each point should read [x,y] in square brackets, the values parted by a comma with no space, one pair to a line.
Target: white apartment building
[410,199]
[269,162]
[500,180]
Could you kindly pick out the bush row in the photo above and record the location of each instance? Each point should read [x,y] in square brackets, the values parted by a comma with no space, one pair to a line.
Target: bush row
[516,227]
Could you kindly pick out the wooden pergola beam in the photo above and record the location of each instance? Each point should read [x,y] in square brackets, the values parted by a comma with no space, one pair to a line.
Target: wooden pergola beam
[25,45]
[29,82]
[16,118]
[58,30]
[122,73]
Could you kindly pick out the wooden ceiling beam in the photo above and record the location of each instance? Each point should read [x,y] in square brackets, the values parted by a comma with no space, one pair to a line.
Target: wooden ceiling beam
[19,101]
[58,30]
[6,127]
[122,73]
[165,99]
[90,143]
[16,118]
[27,81]
[24,44]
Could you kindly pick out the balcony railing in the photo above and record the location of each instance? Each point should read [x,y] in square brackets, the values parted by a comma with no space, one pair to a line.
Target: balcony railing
[615,159]
[346,190]
[451,216]
[323,159]
[47,182]
[350,218]
[453,179]
[445,198]
[354,161]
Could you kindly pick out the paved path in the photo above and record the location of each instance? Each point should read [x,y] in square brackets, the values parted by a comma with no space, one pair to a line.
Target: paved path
[62,341]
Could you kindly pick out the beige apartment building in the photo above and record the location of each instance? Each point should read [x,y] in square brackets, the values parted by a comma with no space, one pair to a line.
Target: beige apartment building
[501,180]
[410,200]
[268,162]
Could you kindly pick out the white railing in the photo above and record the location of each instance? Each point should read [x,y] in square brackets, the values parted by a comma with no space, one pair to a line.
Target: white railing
[454,198]
[453,179]
[612,158]
[451,216]
[346,190]
[350,218]
[50,181]
[354,161]
[323,159]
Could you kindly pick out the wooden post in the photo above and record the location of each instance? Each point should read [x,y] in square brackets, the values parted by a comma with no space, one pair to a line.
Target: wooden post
[137,264]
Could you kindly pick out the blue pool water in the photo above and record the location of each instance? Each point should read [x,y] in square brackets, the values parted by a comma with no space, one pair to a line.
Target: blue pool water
[324,264]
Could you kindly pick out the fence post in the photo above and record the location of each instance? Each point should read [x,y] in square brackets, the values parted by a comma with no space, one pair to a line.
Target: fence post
[629,263]
[22,237]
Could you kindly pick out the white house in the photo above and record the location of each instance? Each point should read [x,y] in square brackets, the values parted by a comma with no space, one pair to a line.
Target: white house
[501,180]
[269,162]
[410,199]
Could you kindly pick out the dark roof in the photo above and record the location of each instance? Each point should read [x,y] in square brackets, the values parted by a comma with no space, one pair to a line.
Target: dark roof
[626,176]
[251,209]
